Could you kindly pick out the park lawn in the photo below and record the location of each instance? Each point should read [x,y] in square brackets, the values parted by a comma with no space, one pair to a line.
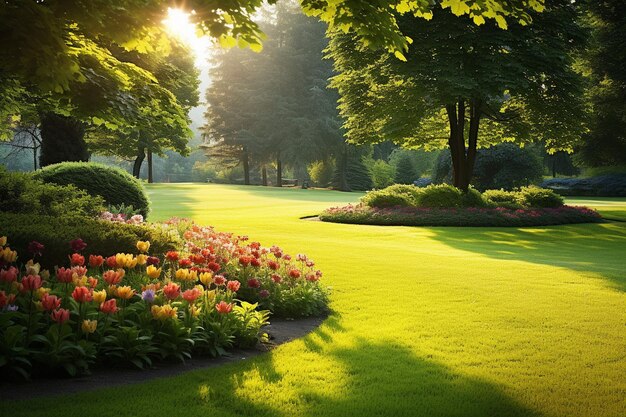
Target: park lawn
[427,321]
[610,208]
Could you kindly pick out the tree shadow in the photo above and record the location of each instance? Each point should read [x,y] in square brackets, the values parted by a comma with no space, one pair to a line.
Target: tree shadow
[378,379]
[591,248]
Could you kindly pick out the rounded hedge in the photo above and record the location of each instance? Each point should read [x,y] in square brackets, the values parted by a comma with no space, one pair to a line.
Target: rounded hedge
[114,185]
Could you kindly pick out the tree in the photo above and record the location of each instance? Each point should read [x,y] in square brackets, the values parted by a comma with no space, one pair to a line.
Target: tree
[274,107]
[460,79]
[351,174]
[606,142]
[405,172]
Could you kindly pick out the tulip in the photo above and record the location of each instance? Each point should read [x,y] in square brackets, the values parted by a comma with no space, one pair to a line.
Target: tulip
[32,268]
[31,283]
[125,292]
[9,275]
[111,262]
[214,266]
[82,295]
[153,272]
[311,277]
[95,261]
[78,245]
[219,280]
[109,307]
[294,273]
[206,278]
[254,283]
[99,296]
[171,291]
[64,275]
[93,282]
[142,259]
[89,326]
[50,302]
[277,278]
[4,300]
[264,293]
[3,240]
[191,295]
[77,259]
[81,271]
[8,255]
[142,246]
[223,307]
[153,260]
[184,263]
[164,312]
[113,277]
[148,295]
[171,256]
[35,248]
[233,286]
[60,316]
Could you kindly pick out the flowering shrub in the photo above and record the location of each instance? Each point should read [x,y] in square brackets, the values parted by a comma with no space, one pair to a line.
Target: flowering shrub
[471,216]
[125,309]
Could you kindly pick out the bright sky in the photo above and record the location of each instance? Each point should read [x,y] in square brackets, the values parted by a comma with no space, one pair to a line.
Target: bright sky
[178,24]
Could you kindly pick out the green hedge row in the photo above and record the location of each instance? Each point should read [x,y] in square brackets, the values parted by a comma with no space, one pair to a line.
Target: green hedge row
[102,237]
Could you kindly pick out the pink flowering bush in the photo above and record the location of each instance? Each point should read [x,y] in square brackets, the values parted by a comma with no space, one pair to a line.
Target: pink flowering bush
[470,216]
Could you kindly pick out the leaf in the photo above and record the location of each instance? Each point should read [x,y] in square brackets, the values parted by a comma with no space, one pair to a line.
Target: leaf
[478,20]
[501,22]
[400,55]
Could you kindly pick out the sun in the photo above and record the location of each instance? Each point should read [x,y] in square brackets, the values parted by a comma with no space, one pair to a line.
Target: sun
[178,24]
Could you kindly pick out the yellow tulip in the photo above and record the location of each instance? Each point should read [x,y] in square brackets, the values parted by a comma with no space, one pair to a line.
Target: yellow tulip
[206,278]
[32,268]
[164,312]
[79,281]
[182,274]
[8,255]
[89,326]
[99,296]
[153,272]
[142,259]
[45,274]
[39,293]
[125,292]
[3,240]
[142,246]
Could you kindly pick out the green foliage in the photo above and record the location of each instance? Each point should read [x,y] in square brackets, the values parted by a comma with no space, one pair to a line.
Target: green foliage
[249,323]
[504,166]
[350,173]
[473,198]
[608,185]
[539,197]
[113,184]
[321,172]
[502,198]
[422,161]
[386,198]
[21,193]
[382,173]
[405,172]
[440,196]
[62,139]
[102,237]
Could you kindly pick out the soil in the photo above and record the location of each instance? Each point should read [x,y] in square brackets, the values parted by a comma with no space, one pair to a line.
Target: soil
[280,331]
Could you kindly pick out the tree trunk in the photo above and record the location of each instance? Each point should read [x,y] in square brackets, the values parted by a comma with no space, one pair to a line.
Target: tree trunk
[34,156]
[463,158]
[246,166]
[150,177]
[264,176]
[62,139]
[141,155]
[279,171]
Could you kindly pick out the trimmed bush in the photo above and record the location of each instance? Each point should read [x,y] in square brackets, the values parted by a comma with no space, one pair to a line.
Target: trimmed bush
[102,237]
[502,198]
[115,185]
[473,198]
[385,198]
[539,197]
[21,193]
[440,196]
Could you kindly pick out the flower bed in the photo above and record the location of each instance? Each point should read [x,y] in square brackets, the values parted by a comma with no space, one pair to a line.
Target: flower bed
[132,309]
[470,216]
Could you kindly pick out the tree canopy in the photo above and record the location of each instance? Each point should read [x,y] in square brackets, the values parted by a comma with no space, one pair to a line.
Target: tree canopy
[461,78]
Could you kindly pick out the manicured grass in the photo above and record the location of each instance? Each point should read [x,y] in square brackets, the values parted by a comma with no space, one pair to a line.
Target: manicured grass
[610,208]
[428,321]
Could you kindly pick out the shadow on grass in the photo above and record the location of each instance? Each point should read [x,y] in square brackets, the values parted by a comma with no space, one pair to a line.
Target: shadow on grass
[377,379]
[594,248]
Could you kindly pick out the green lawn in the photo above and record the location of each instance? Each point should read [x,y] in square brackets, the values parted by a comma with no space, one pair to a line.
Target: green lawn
[428,321]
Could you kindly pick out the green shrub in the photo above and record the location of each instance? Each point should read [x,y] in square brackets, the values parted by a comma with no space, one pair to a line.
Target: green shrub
[382,173]
[115,185]
[405,172]
[21,193]
[440,196]
[102,237]
[473,198]
[384,198]
[539,197]
[410,191]
[502,198]
[321,172]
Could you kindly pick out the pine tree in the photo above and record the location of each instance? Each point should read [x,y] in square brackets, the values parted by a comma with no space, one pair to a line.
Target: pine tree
[405,172]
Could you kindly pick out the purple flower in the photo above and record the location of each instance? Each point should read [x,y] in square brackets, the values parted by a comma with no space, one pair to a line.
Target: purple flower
[264,293]
[12,307]
[148,295]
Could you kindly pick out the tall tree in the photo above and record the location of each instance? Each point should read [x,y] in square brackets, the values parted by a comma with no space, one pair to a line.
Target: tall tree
[274,106]
[461,79]
[606,142]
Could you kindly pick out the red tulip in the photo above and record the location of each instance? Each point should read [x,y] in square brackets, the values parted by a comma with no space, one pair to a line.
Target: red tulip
[8,275]
[294,273]
[254,283]
[111,262]
[78,245]
[60,316]
[214,266]
[109,307]
[95,261]
[77,259]
[50,302]
[219,280]
[82,294]
[191,295]
[31,283]
[277,278]
[171,291]
[223,307]
[172,256]
[64,275]
[233,285]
